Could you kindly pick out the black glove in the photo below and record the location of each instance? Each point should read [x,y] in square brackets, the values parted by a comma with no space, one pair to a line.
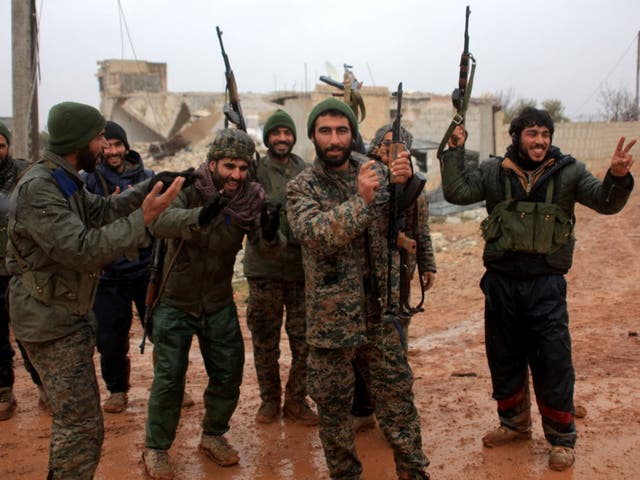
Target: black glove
[270,222]
[167,178]
[211,209]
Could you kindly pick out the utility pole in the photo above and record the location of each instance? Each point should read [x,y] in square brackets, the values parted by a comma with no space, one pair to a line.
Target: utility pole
[24,43]
[638,78]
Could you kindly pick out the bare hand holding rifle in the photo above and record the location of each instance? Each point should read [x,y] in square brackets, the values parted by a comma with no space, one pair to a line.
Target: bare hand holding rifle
[461,95]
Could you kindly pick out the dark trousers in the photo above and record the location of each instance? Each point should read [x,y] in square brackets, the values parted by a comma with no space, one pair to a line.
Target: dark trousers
[7,376]
[114,314]
[527,327]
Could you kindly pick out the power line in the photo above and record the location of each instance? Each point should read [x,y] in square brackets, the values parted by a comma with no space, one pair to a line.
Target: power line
[604,80]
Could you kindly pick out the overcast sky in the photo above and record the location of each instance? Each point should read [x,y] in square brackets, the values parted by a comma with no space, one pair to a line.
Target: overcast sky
[564,49]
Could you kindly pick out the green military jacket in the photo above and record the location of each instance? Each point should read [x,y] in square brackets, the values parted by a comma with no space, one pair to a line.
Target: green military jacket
[18,166]
[572,184]
[287,264]
[199,262]
[329,218]
[60,236]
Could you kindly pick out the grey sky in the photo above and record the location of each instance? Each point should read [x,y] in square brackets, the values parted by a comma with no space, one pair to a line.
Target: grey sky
[546,49]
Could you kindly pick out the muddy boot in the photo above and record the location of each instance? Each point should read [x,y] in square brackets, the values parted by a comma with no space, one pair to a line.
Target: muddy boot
[116,403]
[299,412]
[422,475]
[7,403]
[362,424]
[187,400]
[503,435]
[43,401]
[156,463]
[219,450]
[268,412]
[561,458]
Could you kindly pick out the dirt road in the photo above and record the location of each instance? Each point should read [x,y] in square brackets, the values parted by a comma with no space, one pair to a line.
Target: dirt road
[452,385]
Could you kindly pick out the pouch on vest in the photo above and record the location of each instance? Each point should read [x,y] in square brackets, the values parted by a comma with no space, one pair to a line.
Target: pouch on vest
[530,227]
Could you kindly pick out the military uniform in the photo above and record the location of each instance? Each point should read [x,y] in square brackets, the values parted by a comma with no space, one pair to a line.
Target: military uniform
[60,236]
[529,244]
[276,284]
[197,299]
[344,249]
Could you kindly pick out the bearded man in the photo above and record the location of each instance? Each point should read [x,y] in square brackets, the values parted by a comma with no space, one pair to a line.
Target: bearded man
[338,210]
[530,196]
[205,228]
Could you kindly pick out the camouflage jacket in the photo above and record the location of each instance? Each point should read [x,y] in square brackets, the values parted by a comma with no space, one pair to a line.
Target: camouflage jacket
[8,184]
[287,265]
[199,261]
[60,236]
[331,220]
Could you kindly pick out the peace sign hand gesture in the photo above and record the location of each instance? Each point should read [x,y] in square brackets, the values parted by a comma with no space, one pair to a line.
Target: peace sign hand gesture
[622,160]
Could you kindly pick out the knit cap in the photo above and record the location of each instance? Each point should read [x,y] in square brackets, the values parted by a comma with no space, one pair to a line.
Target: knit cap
[332,103]
[113,130]
[231,143]
[72,126]
[4,131]
[279,118]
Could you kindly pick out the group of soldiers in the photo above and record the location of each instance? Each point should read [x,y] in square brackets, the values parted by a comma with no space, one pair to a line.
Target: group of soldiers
[317,259]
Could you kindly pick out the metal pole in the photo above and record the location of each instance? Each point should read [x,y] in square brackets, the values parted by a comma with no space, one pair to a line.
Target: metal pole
[25,89]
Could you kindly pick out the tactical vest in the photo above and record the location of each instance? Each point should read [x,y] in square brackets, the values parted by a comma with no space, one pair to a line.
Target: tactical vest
[528,227]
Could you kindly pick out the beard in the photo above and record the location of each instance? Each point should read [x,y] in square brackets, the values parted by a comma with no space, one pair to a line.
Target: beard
[333,161]
[280,150]
[107,161]
[86,160]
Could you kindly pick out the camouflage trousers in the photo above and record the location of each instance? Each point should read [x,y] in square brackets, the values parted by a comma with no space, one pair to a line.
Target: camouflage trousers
[268,301]
[68,375]
[383,363]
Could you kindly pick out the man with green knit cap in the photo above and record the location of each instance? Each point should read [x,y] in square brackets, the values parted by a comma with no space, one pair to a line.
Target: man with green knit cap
[276,285]
[338,209]
[60,236]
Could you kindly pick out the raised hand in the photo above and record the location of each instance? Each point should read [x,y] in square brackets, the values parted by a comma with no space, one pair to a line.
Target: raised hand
[368,181]
[270,221]
[622,160]
[458,137]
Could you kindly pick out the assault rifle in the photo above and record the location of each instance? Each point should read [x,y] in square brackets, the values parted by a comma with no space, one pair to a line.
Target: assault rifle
[153,287]
[399,200]
[232,109]
[350,91]
[461,95]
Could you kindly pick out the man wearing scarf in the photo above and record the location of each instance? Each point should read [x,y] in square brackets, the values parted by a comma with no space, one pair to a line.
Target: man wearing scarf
[530,196]
[204,227]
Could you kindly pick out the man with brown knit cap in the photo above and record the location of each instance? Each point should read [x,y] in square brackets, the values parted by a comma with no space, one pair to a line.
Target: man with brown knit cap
[60,236]
[276,285]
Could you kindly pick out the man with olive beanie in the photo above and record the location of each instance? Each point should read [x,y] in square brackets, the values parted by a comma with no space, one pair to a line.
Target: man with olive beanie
[60,236]
[276,285]
[338,209]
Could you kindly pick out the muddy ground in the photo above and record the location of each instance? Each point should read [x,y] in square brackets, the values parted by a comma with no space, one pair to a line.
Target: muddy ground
[452,384]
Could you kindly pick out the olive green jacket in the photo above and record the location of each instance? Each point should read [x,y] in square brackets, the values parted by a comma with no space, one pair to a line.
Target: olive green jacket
[572,184]
[60,236]
[199,261]
[287,264]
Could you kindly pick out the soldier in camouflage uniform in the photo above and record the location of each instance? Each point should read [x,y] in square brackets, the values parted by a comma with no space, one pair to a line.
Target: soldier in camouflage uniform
[60,236]
[276,284]
[416,221]
[10,170]
[338,210]
[205,227]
